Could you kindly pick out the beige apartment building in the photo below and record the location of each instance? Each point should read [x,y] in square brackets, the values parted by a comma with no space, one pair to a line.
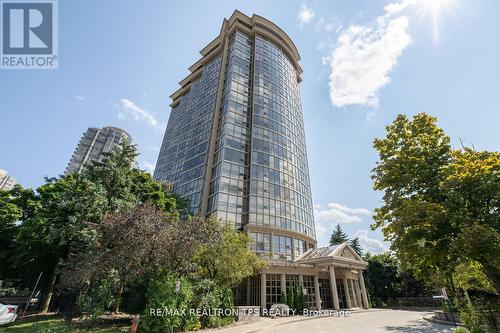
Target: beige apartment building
[93,145]
[6,182]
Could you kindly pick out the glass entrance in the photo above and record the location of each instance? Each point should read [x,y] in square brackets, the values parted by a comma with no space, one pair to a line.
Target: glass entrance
[325,293]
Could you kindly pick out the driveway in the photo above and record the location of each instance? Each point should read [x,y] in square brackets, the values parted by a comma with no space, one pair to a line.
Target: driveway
[371,321]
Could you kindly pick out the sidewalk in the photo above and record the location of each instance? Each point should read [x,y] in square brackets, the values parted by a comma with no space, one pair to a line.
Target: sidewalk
[267,323]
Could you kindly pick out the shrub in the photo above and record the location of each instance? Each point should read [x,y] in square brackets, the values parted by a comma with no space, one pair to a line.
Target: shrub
[296,299]
[283,298]
[97,298]
[134,296]
[174,304]
[470,319]
[209,295]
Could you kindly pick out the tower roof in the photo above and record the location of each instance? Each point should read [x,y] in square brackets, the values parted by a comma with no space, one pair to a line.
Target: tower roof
[254,25]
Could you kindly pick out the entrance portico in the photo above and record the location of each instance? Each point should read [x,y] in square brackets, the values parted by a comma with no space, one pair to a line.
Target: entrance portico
[331,277]
[344,265]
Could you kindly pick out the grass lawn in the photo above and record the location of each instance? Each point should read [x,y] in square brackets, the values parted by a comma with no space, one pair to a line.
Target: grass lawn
[51,325]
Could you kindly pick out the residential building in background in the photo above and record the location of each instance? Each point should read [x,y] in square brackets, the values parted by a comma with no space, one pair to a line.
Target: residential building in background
[92,146]
[6,182]
[235,148]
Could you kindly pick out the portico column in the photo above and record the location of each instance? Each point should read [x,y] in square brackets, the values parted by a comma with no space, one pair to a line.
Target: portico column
[316,291]
[363,289]
[283,286]
[347,293]
[301,281]
[358,295]
[333,286]
[354,298]
[263,292]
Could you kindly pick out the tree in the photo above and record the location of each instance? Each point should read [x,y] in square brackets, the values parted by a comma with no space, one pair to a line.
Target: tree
[296,300]
[338,236]
[381,277]
[10,213]
[441,206]
[52,226]
[227,260]
[470,276]
[386,280]
[143,241]
[58,221]
[123,187]
[472,186]
[115,174]
[354,243]
[169,293]
[412,157]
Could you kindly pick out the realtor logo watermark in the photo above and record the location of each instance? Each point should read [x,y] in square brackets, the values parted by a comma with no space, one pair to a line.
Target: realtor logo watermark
[29,36]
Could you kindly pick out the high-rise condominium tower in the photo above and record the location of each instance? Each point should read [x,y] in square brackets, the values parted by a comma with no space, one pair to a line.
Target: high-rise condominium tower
[93,144]
[235,148]
[6,182]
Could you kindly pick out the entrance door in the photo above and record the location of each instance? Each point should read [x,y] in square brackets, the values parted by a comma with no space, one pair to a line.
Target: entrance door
[326,294]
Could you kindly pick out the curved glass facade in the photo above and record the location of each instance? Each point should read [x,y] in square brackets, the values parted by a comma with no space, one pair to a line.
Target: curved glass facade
[280,193]
[258,179]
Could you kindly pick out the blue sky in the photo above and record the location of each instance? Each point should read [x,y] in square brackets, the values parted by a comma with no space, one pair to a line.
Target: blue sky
[120,60]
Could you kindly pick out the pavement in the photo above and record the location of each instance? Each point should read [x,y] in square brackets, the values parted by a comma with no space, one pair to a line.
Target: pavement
[366,321]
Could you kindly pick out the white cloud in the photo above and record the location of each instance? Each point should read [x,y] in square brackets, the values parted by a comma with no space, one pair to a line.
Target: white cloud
[305,15]
[347,210]
[80,98]
[328,26]
[334,213]
[128,109]
[397,7]
[321,230]
[365,55]
[369,244]
[148,166]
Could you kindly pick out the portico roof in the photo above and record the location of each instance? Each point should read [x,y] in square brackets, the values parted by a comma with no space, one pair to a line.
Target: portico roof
[342,255]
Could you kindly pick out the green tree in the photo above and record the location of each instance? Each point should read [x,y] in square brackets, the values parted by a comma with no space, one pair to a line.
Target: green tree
[228,260]
[168,292]
[115,174]
[338,236]
[52,226]
[10,213]
[122,187]
[382,280]
[385,280]
[412,158]
[209,295]
[470,276]
[58,221]
[354,243]
[472,186]
[300,298]
[441,207]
